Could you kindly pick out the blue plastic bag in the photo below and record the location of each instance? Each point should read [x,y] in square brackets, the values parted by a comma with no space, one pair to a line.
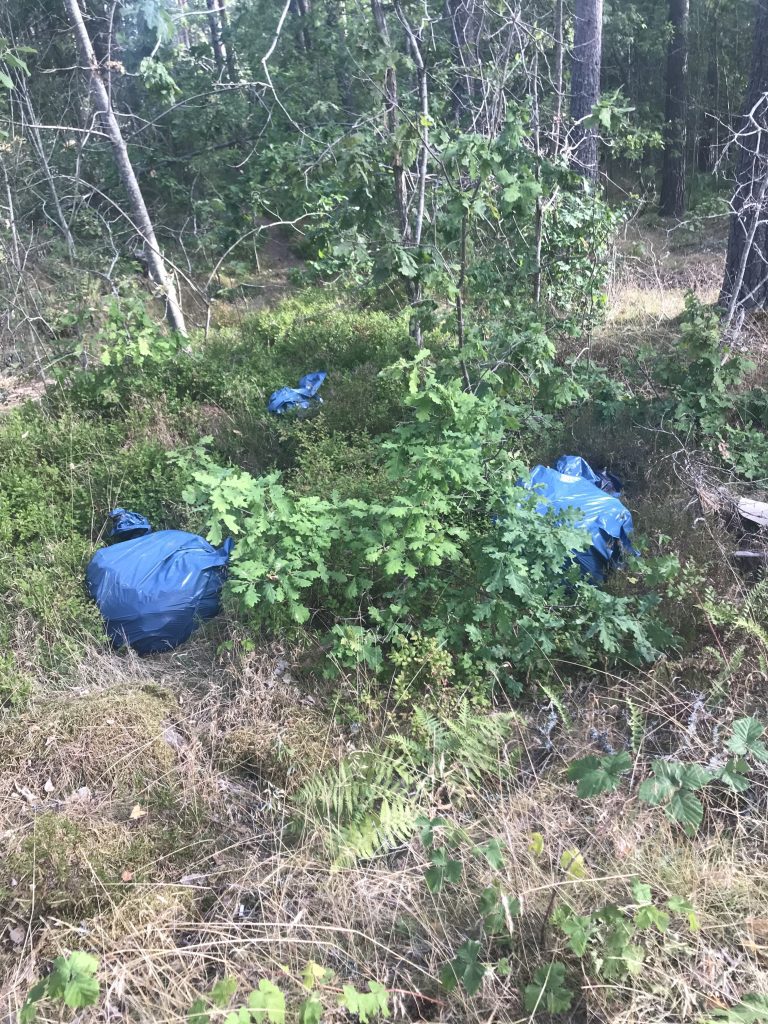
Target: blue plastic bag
[126,525]
[574,465]
[298,397]
[602,515]
[155,589]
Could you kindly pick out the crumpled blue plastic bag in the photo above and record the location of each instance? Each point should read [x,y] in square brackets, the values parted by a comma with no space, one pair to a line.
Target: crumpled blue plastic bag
[574,465]
[126,525]
[298,397]
[603,516]
[155,589]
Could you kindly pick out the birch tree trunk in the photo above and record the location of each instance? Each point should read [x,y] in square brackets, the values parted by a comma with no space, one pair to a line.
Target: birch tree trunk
[585,84]
[213,29]
[675,112]
[125,170]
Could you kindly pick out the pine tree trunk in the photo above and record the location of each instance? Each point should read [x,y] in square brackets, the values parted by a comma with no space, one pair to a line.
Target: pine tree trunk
[585,84]
[139,212]
[745,283]
[672,202]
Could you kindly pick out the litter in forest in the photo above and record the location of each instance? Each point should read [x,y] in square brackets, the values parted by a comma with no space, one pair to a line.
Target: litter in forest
[601,514]
[154,589]
[299,397]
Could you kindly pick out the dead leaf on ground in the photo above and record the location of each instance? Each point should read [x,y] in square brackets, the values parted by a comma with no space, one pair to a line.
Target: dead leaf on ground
[49,786]
[137,812]
[17,935]
[127,876]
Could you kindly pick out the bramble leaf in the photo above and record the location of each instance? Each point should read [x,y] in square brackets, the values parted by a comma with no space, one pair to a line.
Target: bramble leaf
[596,775]
[547,990]
[746,739]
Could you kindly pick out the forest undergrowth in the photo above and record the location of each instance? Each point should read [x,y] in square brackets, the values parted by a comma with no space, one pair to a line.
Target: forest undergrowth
[331,799]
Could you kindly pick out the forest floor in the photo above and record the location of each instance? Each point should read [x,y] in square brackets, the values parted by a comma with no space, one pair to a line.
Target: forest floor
[144,802]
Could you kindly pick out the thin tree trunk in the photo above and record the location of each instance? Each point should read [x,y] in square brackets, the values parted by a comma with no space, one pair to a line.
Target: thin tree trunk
[37,145]
[226,42]
[125,170]
[672,202]
[557,120]
[461,15]
[585,84]
[15,249]
[418,227]
[390,117]
[336,19]
[213,29]
[745,282]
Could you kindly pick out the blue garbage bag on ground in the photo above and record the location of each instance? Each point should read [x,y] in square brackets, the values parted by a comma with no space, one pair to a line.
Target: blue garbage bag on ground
[606,519]
[574,465]
[155,589]
[126,525]
[298,397]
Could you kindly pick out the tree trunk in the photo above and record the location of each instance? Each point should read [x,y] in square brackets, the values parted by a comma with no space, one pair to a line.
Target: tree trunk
[585,84]
[390,119]
[213,28]
[672,202]
[557,120]
[37,145]
[745,283]
[226,42]
[462,17]
[141,218]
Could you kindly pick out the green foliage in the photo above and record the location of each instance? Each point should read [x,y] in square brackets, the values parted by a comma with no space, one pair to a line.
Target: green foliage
[372,801]
[611,936]
[746,739]
[673,786]
[547,990]
[595,775]
[366,1005]
[464,969]
[497,606]
[132,350]
[72,982]
[266,1004]
[705,381]
[753,1009]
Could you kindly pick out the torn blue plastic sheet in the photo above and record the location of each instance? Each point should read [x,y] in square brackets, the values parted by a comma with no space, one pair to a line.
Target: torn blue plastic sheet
[602,515]
[299,397]
[154,590]
[126,525]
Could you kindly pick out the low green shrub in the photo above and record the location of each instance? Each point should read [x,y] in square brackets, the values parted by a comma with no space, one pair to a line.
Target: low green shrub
[454,552]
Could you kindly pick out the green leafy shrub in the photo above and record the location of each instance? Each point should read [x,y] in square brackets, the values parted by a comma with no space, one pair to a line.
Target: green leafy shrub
[455,552]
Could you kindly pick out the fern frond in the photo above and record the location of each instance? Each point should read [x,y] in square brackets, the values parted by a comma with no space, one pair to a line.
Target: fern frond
[557,703]
[636,725]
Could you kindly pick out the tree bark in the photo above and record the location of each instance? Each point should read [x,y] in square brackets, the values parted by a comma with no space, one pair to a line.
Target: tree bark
[390,119]
[462,17]
[672,202]
[139,211]
[213,29]
[557,120]
[585,84]
[745,282]
[226,42]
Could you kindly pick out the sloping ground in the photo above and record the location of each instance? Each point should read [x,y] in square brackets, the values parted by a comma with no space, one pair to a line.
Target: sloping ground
[150,809]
